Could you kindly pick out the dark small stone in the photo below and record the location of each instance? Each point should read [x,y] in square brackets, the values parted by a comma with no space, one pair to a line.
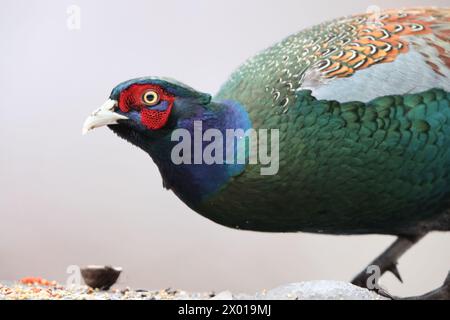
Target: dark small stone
[100,277]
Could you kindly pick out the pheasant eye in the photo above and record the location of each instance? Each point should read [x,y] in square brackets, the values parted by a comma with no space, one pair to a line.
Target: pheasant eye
[150,98]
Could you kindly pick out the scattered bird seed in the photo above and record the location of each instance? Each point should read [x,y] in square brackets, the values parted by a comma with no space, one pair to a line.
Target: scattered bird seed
[54,291]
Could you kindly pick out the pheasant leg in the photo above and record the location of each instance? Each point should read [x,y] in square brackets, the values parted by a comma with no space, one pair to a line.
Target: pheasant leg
[387,261]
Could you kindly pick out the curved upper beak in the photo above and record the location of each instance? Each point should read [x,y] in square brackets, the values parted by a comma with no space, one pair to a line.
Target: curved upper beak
[102,116]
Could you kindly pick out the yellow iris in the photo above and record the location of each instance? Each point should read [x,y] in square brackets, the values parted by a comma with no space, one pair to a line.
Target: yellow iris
[150,98]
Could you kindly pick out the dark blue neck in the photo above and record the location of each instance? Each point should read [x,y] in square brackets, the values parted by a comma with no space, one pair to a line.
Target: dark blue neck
[193,183]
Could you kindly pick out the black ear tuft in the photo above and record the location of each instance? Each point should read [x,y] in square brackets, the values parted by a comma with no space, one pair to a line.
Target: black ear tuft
[202,98]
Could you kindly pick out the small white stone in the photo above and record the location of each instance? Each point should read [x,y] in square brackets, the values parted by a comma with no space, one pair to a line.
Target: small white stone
[224,295]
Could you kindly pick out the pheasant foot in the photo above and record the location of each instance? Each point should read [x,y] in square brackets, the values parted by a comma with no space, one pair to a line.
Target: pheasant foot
[387,261]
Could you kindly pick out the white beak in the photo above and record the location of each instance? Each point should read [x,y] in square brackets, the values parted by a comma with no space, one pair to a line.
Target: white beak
[102,116]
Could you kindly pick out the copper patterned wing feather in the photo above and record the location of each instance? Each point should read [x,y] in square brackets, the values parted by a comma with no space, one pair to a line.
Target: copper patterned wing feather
[382,39]
[366,51]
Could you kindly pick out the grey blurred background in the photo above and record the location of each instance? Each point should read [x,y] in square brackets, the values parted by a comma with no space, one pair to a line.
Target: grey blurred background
[70,199]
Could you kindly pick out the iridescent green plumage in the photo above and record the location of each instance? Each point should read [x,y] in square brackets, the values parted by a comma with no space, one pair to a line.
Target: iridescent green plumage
[376,166]
[381,167]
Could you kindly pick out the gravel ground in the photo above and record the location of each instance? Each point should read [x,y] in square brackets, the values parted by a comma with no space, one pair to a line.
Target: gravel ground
[329,290]
[19,291]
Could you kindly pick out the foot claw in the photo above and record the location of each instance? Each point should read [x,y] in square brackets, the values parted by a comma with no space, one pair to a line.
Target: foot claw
[447,281]
[384,293]
[441,293]
[394,270]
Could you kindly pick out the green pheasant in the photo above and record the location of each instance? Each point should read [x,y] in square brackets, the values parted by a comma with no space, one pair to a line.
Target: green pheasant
[361,111]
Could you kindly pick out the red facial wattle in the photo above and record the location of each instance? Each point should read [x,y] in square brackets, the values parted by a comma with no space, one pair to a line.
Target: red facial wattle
[152,117]
[155,119]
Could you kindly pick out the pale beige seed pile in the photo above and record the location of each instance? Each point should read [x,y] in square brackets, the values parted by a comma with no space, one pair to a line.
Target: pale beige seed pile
[18,291]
